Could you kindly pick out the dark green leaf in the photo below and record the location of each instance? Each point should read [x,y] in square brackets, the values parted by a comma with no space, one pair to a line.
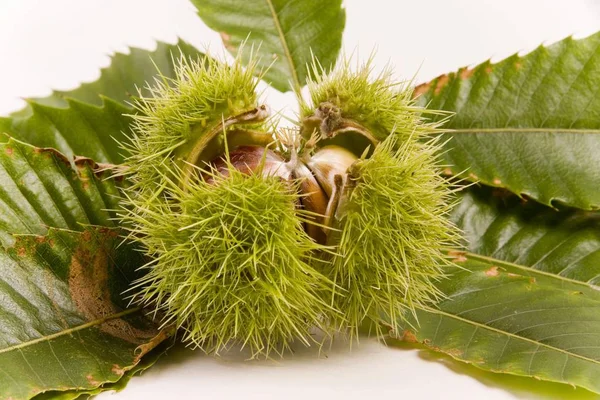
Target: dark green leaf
[61,290]
[63,322]
[146,362]
[80,129]
[503,322]
[529,124]
[564,243]
[40,189]
[64,328]
[89,121]
[284,33]
[526,303]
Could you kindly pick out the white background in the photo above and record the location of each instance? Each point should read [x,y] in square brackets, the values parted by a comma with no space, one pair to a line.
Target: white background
[60,43]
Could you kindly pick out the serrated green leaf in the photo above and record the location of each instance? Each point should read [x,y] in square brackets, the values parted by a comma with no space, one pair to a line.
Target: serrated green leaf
[284,33]
[146,362]
[80,129]
[89,121]
[530,124]
[508,323]
[526,303]
[40,189]
[126,74]
[563,243]
[63,323]
[62,313]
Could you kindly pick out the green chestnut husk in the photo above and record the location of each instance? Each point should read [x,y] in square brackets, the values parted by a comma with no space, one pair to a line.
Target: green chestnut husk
[257,236]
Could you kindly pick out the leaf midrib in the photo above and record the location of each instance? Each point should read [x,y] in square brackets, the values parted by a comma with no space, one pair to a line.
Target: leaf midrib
[286,50]
[70,330]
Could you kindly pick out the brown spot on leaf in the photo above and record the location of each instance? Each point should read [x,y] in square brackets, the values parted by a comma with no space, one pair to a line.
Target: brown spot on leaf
[466,73]
[457,256]
[453,352]
[441,81]
[91,266]
[438,84]
[82,162]
[8,150]
[117,370]
[497,182]
[488,70]
[493,271]
[50,152]
[518,65]
[143,349]
[21,252]
[91,380]
[109,232]
[409,336]
[87,235]
[447,171]
[532,280]
[225,36]
[420,89]
[227,41]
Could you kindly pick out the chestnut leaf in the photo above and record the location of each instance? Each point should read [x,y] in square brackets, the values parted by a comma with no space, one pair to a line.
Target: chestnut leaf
[285,34]
[88,121]
[530,124]
[527,301]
